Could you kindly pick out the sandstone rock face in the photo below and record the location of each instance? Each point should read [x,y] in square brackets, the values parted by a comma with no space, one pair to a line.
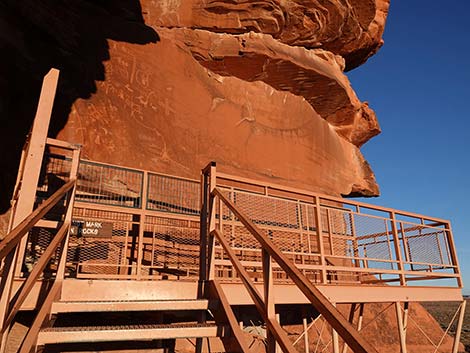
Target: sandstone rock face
[316,75]
[350,28]
[178,116]
[257,85]
[169,85]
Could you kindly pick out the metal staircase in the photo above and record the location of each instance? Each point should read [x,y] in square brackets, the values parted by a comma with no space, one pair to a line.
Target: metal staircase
[177,256]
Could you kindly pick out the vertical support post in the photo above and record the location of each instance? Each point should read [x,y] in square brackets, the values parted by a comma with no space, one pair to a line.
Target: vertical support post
[306,342]
[455,347]
[352,311]
[140,246]
[330,230]
[27,192]
[278,347]
[298,209]
[357,263]
[268,297]
[401,329]
[406,307]
[212,225]
[396,240]
[69,214]
[361,317]
[335,338]
[320,238]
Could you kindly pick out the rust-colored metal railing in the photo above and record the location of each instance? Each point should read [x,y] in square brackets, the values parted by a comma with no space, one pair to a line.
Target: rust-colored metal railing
[265,233]
[54,213]
[9,246]
[153,222]
[333,240]
[214,232]
[154,231]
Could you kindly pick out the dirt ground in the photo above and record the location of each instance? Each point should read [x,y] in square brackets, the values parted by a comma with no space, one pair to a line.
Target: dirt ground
[443,313]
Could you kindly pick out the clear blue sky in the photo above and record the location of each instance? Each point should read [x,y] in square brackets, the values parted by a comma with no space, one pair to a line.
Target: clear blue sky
[419,86]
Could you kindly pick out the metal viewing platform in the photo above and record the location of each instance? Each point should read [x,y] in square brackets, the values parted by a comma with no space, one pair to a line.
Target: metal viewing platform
[94,237]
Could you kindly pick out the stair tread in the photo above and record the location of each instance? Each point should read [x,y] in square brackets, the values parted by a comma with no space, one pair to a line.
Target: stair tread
[133,301]
[127,327]
[66,306]
[138,332]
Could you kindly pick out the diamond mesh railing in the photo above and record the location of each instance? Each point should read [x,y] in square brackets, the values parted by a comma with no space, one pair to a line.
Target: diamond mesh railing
[331,240]
[153,230]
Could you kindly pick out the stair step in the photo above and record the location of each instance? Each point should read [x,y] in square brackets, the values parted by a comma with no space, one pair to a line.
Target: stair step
[133,305]
[83,334]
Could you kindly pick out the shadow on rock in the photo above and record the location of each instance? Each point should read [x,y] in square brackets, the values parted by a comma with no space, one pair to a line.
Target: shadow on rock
[36,35]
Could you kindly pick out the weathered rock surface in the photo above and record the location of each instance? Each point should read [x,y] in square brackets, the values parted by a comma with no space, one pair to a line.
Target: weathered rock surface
[177,116]
[317,75]
[256,85]
[350,28]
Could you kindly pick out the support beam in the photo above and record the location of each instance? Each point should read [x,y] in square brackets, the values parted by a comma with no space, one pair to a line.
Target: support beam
[401,329]
[306,341]
[455,347]
[224,315]
[335,339]
[352,311]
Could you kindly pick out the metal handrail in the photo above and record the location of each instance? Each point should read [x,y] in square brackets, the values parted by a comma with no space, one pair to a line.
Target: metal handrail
[14,237]
[320,302]
[27,285]
[286,189]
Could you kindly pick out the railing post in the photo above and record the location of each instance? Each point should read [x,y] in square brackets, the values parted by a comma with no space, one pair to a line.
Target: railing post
[34,157]
[69,213]
[207,224]
[396,240]
[318,223]
[211,240]
[268,298]
[453,252]
[140,245]
[27,193]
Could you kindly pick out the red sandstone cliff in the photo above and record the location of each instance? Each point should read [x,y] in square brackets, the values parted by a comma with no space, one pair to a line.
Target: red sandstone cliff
[168,85]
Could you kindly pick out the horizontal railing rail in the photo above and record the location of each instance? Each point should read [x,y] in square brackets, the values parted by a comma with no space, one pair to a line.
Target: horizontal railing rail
[270,189]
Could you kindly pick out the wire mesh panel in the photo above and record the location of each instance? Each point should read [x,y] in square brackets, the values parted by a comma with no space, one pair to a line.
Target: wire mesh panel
[55,173]
[109,185]
[111,253]
[286,223]
[375,245]
[171,247]
[426,247]
[158,237]
[172,194]
[39,239]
